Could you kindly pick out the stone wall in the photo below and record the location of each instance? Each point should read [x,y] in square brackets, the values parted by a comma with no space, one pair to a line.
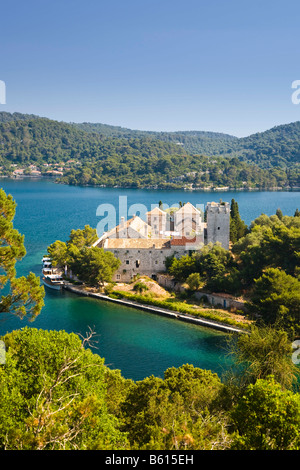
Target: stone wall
[216,299]
[148,262]
[222,300]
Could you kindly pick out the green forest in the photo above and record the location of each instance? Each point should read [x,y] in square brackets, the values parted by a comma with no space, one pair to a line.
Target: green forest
[56,394]
[278,146]
[102,155]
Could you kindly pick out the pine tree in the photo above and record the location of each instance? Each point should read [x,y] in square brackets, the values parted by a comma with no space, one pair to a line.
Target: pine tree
[24,295]
[238,228]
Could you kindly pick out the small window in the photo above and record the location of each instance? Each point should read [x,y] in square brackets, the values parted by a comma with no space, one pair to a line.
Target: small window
[156,262]
[118,276]
[127,261]
[218,228]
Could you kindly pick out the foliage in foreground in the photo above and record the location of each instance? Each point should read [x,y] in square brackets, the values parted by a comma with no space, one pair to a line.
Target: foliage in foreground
[53,394]
[56,394]
[23,295]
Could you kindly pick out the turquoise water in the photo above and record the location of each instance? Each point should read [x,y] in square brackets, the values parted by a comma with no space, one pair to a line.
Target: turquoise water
[136,342]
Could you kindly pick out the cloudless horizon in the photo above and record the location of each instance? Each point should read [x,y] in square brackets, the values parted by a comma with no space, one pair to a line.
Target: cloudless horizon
[153,65]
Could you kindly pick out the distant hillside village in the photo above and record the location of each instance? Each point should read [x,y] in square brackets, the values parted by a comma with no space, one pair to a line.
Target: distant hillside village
[44,169]
[143,247]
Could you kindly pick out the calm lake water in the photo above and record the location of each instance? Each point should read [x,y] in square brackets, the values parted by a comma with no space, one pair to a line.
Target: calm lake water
[138,343]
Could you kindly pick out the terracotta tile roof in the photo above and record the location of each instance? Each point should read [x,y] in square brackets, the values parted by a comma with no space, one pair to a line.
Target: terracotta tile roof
[143,243]
[135,223]
[182,241]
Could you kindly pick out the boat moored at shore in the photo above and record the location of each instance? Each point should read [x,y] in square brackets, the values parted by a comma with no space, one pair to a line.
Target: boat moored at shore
[51,278]
[53,281]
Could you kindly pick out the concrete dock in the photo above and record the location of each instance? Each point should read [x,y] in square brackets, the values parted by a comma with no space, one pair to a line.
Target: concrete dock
[157,310]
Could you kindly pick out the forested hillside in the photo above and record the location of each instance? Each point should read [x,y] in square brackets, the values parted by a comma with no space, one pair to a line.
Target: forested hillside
[43,140]
[97,154]
[279,146]
[175,172]
[194,142]
[8,117]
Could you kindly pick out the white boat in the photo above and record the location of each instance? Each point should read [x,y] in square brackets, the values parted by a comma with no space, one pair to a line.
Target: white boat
[54,281]
[47,271]
[46,262]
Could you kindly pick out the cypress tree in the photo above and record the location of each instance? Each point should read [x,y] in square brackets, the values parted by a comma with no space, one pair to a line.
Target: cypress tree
[279,214]
[238,228]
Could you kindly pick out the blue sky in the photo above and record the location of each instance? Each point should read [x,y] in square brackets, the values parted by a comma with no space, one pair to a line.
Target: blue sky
[217,65]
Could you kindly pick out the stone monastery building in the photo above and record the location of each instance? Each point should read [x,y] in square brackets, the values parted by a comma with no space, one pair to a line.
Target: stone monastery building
[143,246]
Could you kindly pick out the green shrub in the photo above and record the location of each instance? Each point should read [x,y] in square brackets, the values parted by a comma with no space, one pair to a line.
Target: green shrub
[177,306]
